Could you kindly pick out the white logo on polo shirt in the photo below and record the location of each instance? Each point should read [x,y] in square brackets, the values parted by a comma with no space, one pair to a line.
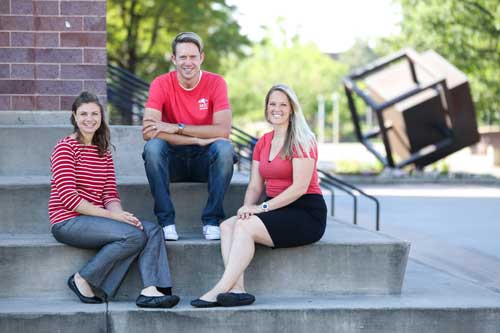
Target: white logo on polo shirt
[203,103]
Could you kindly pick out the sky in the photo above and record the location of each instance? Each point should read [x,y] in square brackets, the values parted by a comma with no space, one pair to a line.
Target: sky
[333,25]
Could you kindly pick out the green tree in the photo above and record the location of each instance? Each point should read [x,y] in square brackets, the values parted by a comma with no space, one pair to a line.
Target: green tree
[302,66]
[360,54]
[467,33]
[140,32]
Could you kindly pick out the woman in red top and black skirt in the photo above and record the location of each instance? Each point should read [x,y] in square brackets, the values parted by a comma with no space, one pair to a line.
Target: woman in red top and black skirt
[294,212]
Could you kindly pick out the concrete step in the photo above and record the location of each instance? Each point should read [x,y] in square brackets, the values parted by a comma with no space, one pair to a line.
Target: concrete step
[35,117]
[49,315]
[431,301]
[30,155]
[348,260]
[23,202]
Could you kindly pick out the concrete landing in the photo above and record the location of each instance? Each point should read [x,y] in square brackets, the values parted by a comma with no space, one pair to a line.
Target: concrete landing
[431,301]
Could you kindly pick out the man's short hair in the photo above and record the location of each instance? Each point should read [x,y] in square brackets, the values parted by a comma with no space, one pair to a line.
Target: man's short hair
[187,37]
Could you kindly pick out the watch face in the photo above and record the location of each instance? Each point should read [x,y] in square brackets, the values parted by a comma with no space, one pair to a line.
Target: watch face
[265,205]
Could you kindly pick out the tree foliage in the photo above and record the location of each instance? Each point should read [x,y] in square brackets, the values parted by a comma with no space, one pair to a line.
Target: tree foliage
[140,32]
[465,32]
[302,66]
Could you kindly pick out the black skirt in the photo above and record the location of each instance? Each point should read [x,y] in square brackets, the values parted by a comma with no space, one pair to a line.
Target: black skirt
[300,223]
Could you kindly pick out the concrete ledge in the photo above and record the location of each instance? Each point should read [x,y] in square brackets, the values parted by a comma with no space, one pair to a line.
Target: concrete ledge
[51,315]
[348,260]
[30,156]
[43,118]
[23,202]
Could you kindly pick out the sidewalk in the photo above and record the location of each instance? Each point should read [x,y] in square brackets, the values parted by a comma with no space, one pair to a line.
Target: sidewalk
[452,227]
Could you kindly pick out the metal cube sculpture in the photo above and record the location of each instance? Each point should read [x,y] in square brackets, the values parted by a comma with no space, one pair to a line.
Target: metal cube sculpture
[422,104]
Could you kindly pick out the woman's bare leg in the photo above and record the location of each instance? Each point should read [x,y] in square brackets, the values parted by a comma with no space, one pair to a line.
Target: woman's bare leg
[246,234]
[227,230]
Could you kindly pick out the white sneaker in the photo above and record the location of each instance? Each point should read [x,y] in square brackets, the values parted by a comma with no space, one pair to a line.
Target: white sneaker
[169,233]
[211,232]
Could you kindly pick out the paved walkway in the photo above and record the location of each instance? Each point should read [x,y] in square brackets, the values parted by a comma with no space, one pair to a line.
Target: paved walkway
[455,228]
[452,227]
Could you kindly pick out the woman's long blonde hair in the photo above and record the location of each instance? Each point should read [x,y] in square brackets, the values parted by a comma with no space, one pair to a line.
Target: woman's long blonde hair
[299,137]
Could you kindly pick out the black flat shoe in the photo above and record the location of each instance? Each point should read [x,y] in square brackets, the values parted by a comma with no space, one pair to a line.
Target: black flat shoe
[235,299]
[84,299]
[199,303]
[167,301]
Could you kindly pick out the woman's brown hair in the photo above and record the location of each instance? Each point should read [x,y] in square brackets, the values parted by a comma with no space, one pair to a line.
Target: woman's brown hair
[101,137]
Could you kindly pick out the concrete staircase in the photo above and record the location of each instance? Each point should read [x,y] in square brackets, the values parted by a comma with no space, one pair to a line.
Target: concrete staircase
[350,281]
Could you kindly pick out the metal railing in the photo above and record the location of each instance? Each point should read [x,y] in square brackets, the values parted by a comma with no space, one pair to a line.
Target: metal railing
[329,182]
[128,93]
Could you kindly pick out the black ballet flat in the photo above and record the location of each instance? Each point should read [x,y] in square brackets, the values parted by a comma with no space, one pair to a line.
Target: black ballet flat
[84,299]
[199,303]
[167,301]
[235,299]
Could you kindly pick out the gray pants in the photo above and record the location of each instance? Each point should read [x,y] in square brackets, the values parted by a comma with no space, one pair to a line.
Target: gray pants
[119,243]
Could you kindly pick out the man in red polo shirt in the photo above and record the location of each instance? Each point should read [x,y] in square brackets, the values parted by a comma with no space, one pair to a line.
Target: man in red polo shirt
[187,122]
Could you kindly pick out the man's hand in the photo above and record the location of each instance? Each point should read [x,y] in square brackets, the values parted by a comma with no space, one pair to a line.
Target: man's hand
[155,127]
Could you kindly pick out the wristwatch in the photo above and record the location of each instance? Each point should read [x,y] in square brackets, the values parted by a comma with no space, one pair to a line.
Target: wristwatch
[265,206]
[180,128]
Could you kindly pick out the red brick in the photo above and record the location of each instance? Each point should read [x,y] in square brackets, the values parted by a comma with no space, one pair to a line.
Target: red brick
[23,102]
[97,8]
[47,71]
[37,39]
[23,71]
[16,23]
[4,6]
[56,56]
[17,86]
[16,55]
[4,71]
[23,7]
[97,87]
[46,7]
[5,102]
[58,87]
[95,56]
[47,39]
[23,39]
[83,39]
[104,101]
[47,103]
[83,72]
[67,102]
[4,38]
[58,23]
[94,23]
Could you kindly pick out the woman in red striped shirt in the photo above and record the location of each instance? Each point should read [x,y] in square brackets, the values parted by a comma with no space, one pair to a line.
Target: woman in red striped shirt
[85,212]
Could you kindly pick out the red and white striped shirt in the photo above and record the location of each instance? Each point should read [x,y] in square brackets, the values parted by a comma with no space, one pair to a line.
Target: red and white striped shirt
[78,172]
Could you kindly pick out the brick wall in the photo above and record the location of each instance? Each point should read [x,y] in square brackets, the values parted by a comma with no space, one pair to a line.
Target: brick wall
[51,50]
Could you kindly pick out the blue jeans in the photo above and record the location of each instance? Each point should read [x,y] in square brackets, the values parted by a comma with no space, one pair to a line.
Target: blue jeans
[167,163]
[119,244]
